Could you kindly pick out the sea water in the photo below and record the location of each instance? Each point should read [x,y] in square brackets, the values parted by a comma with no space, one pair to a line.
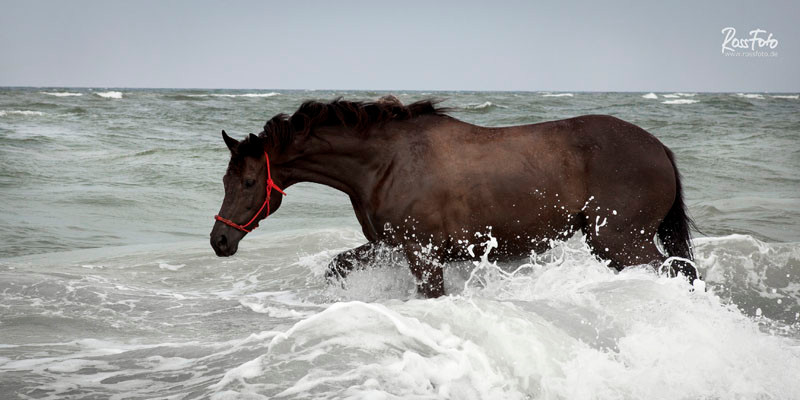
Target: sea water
[109,288]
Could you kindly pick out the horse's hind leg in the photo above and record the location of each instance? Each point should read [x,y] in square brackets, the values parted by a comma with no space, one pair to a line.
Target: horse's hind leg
[632,245]
[624,245]
[347,261]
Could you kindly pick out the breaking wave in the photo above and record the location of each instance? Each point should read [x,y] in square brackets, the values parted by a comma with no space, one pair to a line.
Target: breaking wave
[110,95]
[62,94]
[486,105]
[270,94]
[678,95]
[562,326]
[680,101]
[751,95]
[26,113]
[557,95]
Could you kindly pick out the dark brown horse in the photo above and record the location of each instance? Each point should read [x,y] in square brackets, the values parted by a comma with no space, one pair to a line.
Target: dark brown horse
[425,183]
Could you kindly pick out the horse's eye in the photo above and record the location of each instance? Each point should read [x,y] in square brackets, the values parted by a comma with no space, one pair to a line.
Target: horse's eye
[249,182]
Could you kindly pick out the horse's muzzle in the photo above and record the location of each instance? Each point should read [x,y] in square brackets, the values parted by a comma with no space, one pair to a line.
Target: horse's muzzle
[223,246]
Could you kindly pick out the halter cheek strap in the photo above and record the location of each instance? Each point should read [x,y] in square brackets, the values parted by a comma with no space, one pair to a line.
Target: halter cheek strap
[270,185]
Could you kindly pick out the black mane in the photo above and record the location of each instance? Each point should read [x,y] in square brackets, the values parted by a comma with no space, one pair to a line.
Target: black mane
[359,115]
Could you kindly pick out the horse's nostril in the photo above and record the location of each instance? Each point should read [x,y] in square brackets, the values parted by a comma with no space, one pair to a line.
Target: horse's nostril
[222,241]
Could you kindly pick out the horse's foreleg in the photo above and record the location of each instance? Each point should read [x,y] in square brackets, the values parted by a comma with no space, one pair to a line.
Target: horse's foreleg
[427,268]
[349,260]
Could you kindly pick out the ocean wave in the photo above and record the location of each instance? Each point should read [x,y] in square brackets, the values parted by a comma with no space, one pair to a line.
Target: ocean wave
[76,110]
[185,97]
[786,96]
[680,101]
[557,95]
[110,95]
[650,95]
[270,94]
[562,324]
[62,94]
[729,103]
[751,95]
[558,325]
[28,113]
[482,106]
[678,95]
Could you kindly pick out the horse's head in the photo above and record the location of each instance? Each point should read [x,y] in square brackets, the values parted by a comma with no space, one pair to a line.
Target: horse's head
[250,194]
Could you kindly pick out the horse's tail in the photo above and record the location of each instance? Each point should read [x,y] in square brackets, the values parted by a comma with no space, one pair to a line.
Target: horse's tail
[674,231]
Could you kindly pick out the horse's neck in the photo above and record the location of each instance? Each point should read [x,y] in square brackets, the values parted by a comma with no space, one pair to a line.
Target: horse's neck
[344,162]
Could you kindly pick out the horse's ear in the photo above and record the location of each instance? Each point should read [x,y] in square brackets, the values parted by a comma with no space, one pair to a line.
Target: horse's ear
[254,138]
[229,141]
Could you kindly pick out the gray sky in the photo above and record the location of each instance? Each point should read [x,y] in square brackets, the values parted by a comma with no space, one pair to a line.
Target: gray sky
[424,45]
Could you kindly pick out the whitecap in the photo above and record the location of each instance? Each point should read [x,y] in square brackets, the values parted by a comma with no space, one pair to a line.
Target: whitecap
[557,95]
[110,95]
[680,101]
[3,113]
[786,96]
[485,104]
[751,95]
[62,94]
[270,94]
[650,95]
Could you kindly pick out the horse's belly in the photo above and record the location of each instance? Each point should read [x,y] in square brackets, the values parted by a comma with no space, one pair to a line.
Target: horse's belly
[516,238]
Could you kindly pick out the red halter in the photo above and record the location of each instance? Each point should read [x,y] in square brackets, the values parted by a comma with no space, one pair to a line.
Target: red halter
[270,185]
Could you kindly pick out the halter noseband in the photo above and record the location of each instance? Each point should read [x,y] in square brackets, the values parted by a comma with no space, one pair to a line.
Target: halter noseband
[270,185]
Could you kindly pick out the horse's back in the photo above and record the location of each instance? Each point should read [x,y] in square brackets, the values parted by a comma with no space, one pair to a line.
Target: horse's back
[528,183]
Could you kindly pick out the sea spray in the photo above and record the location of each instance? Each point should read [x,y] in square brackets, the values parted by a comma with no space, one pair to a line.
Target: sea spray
[561,326]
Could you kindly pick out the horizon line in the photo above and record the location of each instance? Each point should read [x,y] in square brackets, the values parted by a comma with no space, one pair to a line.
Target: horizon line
[390,90]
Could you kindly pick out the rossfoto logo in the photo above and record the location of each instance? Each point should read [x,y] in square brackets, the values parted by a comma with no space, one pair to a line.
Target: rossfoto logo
[758,43]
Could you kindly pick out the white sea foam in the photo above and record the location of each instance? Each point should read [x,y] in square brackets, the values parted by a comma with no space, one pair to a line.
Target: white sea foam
[110,95]
[270,94]
[678,95]
[786,96]
[751,95]
[563,326]
[62,94]
[28,113]
[75,365]
[484,105]
[680,101]
[170,267]
[650,95]
[557,95]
